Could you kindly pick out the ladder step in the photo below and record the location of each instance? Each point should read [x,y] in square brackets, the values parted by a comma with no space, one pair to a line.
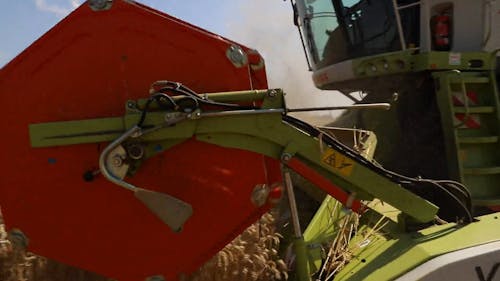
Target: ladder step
[473,140]
[469,80]
[486,202]
[482,171]
[474,109]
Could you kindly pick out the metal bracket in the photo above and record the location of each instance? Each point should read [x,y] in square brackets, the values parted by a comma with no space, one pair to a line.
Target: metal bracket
[288,152]
[237,56]
[172,211]
[264,130]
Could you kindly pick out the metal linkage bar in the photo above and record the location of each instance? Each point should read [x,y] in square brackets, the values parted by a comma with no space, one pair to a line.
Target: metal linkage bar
[318,180]
[172,211]
[382,106]
[105,157]
[268,131]
[402,7]
[293,205]
[302,266]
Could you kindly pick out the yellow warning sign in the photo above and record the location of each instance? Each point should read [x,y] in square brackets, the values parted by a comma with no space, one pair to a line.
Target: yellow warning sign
[337,162]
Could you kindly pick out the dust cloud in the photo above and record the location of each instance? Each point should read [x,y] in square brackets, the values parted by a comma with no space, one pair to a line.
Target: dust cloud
[267,25]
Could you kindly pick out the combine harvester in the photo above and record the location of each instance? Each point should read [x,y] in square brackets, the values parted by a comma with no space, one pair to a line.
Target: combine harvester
[111,167]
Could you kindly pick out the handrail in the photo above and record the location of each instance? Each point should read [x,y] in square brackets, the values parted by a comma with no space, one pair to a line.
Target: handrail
[400,26]
[465,97]
[397,8]
[489,13]
[402,7]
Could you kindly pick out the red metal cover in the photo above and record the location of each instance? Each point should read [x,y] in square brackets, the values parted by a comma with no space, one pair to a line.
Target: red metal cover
[88,66]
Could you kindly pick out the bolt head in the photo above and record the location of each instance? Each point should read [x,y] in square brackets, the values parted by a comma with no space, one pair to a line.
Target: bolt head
[100,5]
[135,151]
[286,157]
[117,161]
[136,134]
[18,239]
[156,278]
[237,56]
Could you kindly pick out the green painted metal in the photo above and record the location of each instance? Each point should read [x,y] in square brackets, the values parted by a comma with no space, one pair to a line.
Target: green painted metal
[76,132]
[227,97]
[263,133]
[302,271]
[390,253]
[267,134]
[451,61]
[445,104]
[323,228]
[385,64]
[484,140]
[411,60]
[473,153]
[474,109]
[362,179]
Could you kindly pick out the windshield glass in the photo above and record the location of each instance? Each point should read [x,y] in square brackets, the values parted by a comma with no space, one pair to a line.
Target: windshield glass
[319,22]
[371,26]
[338,30]
[350,3]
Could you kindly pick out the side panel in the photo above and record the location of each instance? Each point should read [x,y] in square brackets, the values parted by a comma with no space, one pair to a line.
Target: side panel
[467,23]
[492,24]
[88,66]
[476,263]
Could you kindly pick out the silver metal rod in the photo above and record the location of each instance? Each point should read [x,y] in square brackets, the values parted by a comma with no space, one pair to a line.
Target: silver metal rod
[293,205]
[402,7]
[488,9]
[400,26]
[384,106]
[241,112]
[105,153]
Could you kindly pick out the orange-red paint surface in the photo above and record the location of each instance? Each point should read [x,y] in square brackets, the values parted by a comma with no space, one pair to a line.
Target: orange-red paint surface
[88,66]
[323,183]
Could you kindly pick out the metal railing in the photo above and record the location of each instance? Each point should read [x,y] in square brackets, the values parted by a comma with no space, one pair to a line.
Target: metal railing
[397,8]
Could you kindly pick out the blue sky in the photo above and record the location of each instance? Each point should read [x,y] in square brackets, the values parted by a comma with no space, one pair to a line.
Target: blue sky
[23,21]
[265,25]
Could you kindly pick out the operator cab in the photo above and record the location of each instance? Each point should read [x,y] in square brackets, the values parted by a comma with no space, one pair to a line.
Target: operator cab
[337,32]
[340,30]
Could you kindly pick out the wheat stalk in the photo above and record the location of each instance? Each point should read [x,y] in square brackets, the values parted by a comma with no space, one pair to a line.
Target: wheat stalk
[341,250]
[252,256]
[16,264]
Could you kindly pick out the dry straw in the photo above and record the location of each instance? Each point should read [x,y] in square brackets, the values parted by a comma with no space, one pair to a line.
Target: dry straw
[341,250]
[18,265]
[252,256]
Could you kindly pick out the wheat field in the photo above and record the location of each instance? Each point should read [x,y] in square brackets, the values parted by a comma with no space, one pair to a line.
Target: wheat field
[252,256]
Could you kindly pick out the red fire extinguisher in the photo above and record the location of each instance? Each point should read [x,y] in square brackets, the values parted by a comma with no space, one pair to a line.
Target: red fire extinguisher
[441,32]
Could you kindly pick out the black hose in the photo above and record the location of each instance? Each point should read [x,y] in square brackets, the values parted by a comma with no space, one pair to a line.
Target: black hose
[178,88]
[157,97]
[460,204]
[404,181]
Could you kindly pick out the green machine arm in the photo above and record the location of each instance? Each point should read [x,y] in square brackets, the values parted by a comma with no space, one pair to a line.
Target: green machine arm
[266,130]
